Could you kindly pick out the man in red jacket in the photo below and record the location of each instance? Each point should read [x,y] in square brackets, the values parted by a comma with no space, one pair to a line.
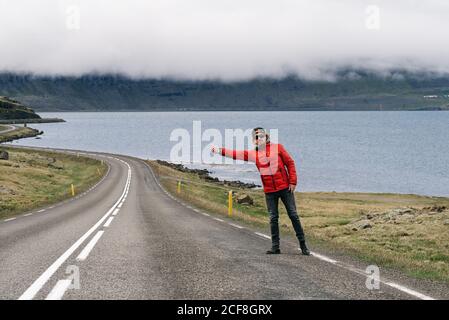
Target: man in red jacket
[278,174]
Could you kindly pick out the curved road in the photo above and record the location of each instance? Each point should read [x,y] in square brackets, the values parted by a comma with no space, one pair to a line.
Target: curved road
[11,128]
[128,239]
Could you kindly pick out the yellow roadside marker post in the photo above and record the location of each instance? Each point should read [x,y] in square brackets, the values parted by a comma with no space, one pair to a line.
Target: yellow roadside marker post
[230,203]
[73,190]
[179,186]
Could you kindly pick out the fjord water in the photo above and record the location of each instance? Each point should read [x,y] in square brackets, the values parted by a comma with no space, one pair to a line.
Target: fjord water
[400,152]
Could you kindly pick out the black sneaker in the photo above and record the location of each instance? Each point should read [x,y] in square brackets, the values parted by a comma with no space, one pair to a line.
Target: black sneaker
[305,251]
[272,251]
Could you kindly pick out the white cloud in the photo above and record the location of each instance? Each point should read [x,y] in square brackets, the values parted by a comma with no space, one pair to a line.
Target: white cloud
[226,39]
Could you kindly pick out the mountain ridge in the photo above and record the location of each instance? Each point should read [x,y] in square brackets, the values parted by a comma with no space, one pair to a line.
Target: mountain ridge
[353,90]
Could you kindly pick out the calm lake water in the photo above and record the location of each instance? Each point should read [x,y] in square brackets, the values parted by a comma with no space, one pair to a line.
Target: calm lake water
[403,152]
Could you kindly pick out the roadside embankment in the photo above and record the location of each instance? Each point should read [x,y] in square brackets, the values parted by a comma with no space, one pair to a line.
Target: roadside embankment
[31,179]
[401,231]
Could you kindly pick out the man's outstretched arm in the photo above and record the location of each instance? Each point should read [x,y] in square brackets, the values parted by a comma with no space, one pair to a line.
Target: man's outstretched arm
[246,155]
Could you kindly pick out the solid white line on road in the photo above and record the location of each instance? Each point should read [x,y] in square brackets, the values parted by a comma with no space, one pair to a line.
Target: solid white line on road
[108,222]
[10,219]
[59,289]
[409,291]
[37,285]
[88,248]
[263,235]
[115,212]
[236,225]
[324,258]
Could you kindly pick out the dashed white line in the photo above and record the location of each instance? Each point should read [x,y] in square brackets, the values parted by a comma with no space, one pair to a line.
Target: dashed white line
[41,211]
[115,211]
[324,258]
[263,235]
[236,225]
[108,222]
[88,248]
[59,289]
[10,219]
[218,219]
[37,285]
[28,214]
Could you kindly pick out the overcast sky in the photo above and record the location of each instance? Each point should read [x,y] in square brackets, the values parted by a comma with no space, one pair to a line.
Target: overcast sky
[224,39]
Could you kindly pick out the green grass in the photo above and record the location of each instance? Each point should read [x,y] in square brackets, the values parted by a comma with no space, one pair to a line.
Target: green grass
[33,179]
[418,245]
[20,132]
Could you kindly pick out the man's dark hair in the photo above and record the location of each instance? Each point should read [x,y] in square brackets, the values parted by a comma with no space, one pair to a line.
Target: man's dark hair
[259,130]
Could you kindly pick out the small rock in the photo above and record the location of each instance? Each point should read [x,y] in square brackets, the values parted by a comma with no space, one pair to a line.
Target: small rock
[446,222]
[364,224]
[435,209]
[4,155]
[245,199]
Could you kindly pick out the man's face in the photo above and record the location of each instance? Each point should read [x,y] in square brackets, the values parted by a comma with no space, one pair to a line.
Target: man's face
[260,138]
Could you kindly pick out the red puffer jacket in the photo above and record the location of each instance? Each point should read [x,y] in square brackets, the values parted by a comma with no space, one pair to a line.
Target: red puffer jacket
[276,166]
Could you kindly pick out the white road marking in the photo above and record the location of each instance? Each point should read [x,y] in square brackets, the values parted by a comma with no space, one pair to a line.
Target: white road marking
[10,219]
[324,258]
[37,285]
[115,212]
[108,222]
[88,248]
[41,211]
[28,214]
[409,291]
[205,214]
[218,219]
[236,225]
[59,289]
[263,235]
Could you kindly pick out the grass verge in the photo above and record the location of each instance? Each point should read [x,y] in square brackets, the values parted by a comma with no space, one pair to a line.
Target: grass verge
[20,132]
[31,179]
[405,232]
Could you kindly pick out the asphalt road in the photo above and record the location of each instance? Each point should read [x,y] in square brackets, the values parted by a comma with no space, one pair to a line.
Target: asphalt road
[128,239]
[10,128]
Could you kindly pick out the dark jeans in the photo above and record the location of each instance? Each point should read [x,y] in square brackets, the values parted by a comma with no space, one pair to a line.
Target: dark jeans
[288,198]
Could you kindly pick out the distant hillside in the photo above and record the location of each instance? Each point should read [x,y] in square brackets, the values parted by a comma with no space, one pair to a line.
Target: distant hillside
[11,109]
[355,90]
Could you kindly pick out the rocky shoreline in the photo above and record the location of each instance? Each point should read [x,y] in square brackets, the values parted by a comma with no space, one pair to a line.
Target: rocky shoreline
[205,175]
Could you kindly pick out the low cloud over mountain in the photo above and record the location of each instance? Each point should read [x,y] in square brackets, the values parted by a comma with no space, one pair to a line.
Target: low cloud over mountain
[226,40]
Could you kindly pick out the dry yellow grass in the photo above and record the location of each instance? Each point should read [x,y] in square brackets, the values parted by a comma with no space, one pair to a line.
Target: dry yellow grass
[32,179]
[416,243]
